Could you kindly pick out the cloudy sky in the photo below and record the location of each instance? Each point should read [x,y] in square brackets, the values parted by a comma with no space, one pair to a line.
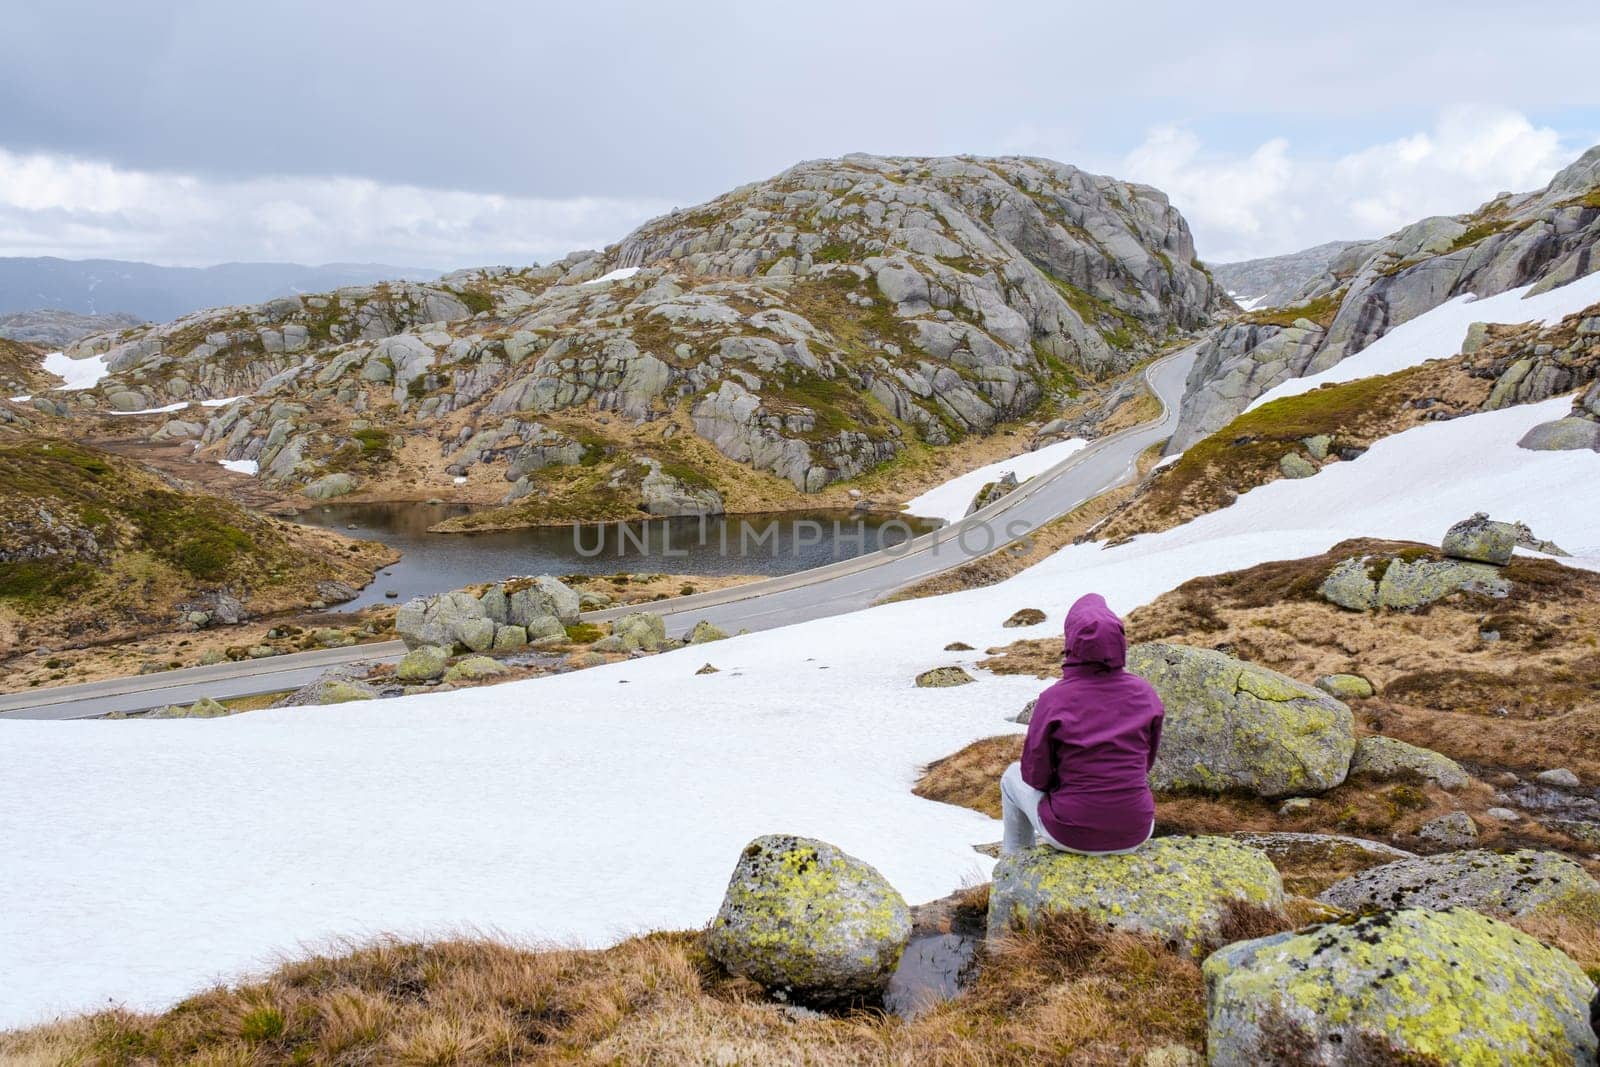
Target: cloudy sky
[459,134]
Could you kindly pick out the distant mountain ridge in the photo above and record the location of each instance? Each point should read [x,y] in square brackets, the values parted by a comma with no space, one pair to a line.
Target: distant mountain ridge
[160,294]
[55,328]
[1275,280]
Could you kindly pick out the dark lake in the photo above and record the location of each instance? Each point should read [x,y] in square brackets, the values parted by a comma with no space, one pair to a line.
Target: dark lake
[769,545]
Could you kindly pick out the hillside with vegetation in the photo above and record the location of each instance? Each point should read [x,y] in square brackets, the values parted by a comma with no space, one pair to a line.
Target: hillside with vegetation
[95,547]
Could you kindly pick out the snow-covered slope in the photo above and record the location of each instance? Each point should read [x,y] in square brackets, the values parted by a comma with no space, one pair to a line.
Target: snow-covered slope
[144,859]
[1441,332]
[77,374]
[950,500]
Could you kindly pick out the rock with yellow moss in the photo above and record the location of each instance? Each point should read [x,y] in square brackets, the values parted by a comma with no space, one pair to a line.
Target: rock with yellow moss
[1232,725]
[1432,986]
[810,922]
[1175,888]
[1511,883]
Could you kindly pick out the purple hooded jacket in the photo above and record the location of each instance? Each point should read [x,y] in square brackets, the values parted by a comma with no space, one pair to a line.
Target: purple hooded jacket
[1093,738]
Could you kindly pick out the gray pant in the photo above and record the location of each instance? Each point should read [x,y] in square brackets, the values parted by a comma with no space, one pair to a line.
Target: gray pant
[1019,811]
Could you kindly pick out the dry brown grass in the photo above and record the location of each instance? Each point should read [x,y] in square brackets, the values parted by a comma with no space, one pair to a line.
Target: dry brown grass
[970,778]
[1070,991]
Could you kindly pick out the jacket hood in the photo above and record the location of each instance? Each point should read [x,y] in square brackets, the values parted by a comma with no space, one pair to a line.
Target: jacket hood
[1093,635]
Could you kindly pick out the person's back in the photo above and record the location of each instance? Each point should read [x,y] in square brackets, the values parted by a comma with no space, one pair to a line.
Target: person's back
[1083,779]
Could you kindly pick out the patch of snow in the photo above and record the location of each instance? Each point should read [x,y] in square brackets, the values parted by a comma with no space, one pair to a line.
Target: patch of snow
[592,805]
[242,466]
[21,399]
[614,276]
[950,500]
[1439,333]
[1167,461]
[222,402]
[79,374]
[1249,303]
[459,480]
[179,406]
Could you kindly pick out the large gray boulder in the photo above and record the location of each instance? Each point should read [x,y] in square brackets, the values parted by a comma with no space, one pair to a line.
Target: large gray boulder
[1399,584]
[1387,757]
[1406,986]
[807,920]
[1570,434]
[665,493]
[1481,539]
[1515,883]
[1234,725]
[639,630]
[1177,889]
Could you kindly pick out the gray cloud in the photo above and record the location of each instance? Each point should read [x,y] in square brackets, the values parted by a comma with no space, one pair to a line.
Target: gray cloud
[628,107]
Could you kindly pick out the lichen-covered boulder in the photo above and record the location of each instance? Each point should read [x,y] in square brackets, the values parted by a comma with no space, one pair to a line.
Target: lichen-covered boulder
[1294,465]
[1453,830]
[1482,539]
[1386,757]
[943,678]
[475,669]
[331,485]
[422,664]
[706,631]
[1407,584]
[1234,725]
[1174,888]
[641,629]
[1514,883]
[449,620]
[508,638]
[1350,586]
[805,919]
[1345,687]
[204,708]
[531,600]
[1451,986]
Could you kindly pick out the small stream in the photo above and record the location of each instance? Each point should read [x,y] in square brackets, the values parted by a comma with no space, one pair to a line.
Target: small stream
[766,545]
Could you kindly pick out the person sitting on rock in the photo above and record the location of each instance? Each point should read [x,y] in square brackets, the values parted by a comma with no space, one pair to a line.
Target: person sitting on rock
[1083,782]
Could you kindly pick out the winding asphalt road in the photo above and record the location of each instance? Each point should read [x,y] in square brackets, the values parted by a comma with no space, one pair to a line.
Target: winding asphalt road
[821,591]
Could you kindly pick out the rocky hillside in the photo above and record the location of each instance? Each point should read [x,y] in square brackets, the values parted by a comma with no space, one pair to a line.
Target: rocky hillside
[1545,239]
[1277,280]
[20,372]
[93,547]
[793,333]
[55,328]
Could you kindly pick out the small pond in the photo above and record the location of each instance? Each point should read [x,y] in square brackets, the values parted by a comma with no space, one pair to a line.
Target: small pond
[768,545]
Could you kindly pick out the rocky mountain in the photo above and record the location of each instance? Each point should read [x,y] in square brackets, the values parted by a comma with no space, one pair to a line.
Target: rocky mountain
[150,292]
[1543,239]
[55,328]
[1277,280]
[800,330]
